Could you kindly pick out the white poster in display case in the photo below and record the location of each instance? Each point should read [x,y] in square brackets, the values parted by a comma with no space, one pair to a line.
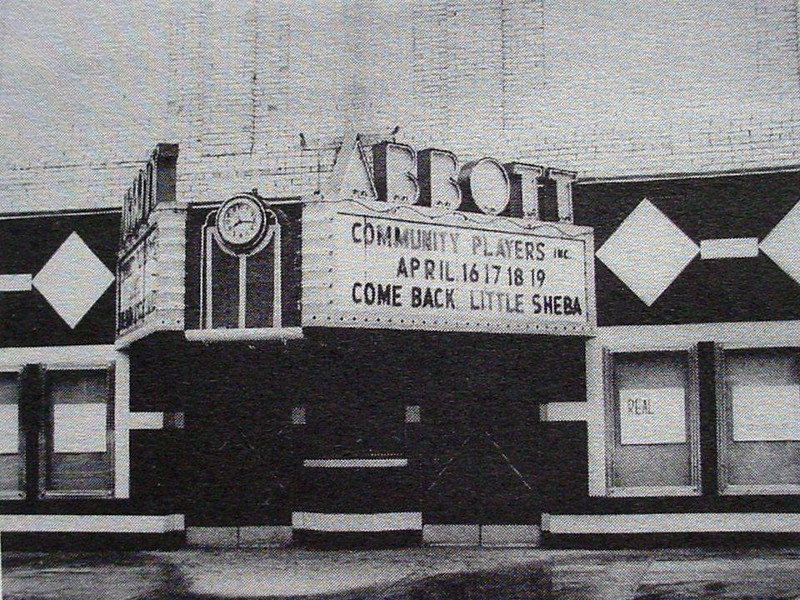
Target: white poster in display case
[79,428]
[9,429]
[652,416]
[766,413]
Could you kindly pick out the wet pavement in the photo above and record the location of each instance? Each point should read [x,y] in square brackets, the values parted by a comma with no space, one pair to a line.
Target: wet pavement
[418,573]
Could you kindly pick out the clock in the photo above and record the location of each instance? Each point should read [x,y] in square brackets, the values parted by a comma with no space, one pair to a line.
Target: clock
[242,223]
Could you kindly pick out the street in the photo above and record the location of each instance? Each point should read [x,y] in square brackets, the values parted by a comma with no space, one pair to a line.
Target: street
[429,573]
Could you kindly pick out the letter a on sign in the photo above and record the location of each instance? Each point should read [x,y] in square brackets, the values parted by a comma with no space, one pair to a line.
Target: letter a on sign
[351,179]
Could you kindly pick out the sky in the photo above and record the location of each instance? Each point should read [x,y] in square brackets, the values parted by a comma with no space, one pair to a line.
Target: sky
[85,82]
[79,75]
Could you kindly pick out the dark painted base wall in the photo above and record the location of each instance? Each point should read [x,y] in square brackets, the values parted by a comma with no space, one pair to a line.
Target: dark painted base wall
[473,458]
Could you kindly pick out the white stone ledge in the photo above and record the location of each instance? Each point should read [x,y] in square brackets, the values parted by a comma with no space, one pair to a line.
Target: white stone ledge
[355,463]
[494,536]
[91,523]
[246,536]
[673,523]
[357,522]
[245,334]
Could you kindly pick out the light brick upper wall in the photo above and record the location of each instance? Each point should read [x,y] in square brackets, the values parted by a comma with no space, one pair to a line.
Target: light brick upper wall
[606,88]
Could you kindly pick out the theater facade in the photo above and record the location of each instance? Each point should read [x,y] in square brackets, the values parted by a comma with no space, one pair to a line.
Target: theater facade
[419,351]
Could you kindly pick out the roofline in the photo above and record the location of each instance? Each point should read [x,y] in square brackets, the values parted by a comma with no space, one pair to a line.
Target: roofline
[67,212]
[688,175]
[579,181]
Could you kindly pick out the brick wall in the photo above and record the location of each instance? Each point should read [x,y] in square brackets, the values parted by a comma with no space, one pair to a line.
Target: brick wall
[606,88]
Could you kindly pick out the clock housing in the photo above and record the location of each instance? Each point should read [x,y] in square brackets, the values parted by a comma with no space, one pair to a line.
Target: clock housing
[242,223]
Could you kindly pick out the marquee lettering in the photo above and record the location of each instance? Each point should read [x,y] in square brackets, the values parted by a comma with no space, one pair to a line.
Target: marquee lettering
[438,179]
[434,178]
[524,179]
[153,184]
[396,173]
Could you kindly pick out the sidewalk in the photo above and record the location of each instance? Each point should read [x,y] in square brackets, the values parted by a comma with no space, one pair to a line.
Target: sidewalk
[418,573]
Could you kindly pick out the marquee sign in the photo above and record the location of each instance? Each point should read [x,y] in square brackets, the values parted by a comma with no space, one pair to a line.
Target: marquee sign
[137,274]
[150,262]
[154,184]
[419,242]
[369,265]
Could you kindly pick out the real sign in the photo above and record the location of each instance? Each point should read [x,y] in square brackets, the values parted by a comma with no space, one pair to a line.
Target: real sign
[652,416]
[366,264]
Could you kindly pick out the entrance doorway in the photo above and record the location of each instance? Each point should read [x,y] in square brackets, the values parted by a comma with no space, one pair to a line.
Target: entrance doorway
[479,463]
[358,483]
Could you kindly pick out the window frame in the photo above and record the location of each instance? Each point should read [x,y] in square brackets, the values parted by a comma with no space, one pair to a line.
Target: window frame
[724,416]
[22,449]
[612,427]
[46,431]
[210,240]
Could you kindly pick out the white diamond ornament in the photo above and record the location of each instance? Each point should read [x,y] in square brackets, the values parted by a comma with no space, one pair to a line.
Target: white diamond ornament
[647,252]
[782,244]
[73,280]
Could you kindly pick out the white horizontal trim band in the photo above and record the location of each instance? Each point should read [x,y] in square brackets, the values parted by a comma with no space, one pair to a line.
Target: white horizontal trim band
[239,335]
[15,283]
[673,523]
[353,463]
[729,248]
[763,489]
[146,420]
[564,411]
[55,354]
[653,491]
[91,523]
[751,334]
[344,522]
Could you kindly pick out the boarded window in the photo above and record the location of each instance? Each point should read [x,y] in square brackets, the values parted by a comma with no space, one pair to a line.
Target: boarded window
[12,439]
[652,418]
[78,438]
[759,418]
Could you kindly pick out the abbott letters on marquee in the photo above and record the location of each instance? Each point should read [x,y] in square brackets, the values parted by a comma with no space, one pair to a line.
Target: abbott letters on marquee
[464,258]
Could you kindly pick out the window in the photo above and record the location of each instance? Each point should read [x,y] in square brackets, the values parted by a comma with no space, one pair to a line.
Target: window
[12,437]
[652,419]
[758,416]
[76,441]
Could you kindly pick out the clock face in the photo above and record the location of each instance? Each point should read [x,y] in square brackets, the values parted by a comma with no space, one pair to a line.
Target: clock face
[241,222]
